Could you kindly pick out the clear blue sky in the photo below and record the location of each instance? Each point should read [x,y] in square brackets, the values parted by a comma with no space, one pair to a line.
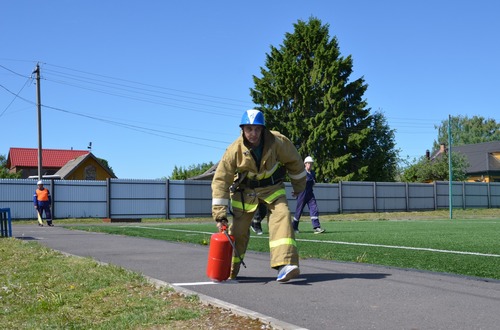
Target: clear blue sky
[154,84]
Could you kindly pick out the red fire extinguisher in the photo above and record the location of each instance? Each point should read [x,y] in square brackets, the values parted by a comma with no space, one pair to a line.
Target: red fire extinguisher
[220,254]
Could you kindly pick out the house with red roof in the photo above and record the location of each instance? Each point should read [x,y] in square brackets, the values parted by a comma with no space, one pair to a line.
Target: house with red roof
[57,163]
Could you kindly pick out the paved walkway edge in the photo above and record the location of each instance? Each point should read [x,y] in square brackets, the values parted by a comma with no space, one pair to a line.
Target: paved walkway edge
[207,300]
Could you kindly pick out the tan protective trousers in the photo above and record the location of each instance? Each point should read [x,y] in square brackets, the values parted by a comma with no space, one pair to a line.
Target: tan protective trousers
[282,244]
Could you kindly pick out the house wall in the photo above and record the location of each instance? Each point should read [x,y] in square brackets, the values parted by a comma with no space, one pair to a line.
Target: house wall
[90,169]
[493,173]
[30,171]
[478,178]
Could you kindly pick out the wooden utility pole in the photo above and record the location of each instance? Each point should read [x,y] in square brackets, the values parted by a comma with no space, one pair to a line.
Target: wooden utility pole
[39,108]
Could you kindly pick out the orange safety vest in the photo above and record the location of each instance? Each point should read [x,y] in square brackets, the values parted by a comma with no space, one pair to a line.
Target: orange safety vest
[42,195]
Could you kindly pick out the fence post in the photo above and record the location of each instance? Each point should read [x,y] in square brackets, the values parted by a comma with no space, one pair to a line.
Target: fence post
[489,195]
[407,195]
[167,199]
[463,195]
[52,202]
[435,196]
[374,196]
[340,197]
[108,198]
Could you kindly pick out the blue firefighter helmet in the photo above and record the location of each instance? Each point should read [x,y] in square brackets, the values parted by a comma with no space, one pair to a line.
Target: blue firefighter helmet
[253,117]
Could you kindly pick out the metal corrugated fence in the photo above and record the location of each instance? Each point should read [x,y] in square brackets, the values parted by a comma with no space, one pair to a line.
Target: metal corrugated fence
[120,199]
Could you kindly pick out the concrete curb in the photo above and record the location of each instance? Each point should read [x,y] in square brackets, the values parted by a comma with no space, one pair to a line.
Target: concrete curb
[207,300]
[276,324]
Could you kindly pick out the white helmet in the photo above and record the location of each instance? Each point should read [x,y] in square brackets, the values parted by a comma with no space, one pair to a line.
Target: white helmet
[308,160]
[39,182]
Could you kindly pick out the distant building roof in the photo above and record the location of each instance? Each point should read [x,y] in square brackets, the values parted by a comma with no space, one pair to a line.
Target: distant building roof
[73,164]
[480,156]
[28,157]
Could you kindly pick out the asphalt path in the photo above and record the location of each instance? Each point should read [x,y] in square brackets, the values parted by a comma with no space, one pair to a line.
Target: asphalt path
[327,294]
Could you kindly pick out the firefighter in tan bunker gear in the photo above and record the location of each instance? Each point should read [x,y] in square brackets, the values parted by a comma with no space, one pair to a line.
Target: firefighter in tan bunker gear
[252,170]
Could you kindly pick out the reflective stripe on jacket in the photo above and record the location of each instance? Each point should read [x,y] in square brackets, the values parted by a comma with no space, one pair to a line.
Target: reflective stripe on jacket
[278,151]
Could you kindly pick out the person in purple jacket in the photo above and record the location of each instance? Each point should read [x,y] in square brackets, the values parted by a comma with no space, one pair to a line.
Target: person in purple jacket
[307,198]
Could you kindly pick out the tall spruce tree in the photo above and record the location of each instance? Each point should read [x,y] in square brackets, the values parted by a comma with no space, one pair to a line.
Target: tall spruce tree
[381,151]
[305,93]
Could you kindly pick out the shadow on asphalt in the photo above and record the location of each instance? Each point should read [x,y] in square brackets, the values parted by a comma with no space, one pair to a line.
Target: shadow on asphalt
[308,279]
[27,238]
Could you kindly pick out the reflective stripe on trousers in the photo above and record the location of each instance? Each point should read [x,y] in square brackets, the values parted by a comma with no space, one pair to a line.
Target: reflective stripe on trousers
[283,248]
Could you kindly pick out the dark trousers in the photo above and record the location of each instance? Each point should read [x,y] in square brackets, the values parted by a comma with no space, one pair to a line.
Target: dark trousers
[45,207]
[307,198]
[260,214]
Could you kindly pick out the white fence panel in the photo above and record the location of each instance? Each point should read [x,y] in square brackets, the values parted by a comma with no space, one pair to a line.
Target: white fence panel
[421,197]
[79,199]
[494,195]
[118,198]
[391,196]
[18,196]
[442,194]
[357,197]
[477,195]
[137,199]
[190,198]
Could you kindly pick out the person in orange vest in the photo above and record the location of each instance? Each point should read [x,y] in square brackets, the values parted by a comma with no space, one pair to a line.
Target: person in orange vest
[42,201]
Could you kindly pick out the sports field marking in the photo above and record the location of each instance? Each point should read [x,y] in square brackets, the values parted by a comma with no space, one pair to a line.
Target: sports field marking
[339,242]
[401,247]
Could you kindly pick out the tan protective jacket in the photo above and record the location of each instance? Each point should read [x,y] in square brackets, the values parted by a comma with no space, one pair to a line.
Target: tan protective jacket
[277,151]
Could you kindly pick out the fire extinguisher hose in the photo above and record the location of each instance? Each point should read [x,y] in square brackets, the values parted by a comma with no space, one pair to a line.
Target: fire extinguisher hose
[224,229]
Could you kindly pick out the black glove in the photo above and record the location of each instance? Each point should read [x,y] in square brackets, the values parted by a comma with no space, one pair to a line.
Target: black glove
[221,223]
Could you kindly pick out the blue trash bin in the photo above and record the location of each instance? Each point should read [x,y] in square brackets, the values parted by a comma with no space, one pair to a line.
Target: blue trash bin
[5,223]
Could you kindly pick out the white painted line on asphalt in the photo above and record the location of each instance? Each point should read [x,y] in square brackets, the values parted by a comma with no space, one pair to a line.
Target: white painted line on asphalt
[275,323]
[343,243]
[171,229]
[205,283]
[195,283]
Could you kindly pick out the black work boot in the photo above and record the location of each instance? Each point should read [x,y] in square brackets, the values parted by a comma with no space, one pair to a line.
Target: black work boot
[256,227]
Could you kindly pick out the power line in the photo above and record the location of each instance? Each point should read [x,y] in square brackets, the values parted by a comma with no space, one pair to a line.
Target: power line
[16,96]
[151,101]
[11,71]
[158,92]
[142,129]
[163,96]
[150,85]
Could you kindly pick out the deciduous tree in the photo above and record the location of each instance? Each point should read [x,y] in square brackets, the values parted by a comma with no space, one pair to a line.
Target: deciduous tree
[465,130]
[427,170]
[183,173]
[4,171]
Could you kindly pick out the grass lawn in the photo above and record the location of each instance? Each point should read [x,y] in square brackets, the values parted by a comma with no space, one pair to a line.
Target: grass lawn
[467,245]
[44,289]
